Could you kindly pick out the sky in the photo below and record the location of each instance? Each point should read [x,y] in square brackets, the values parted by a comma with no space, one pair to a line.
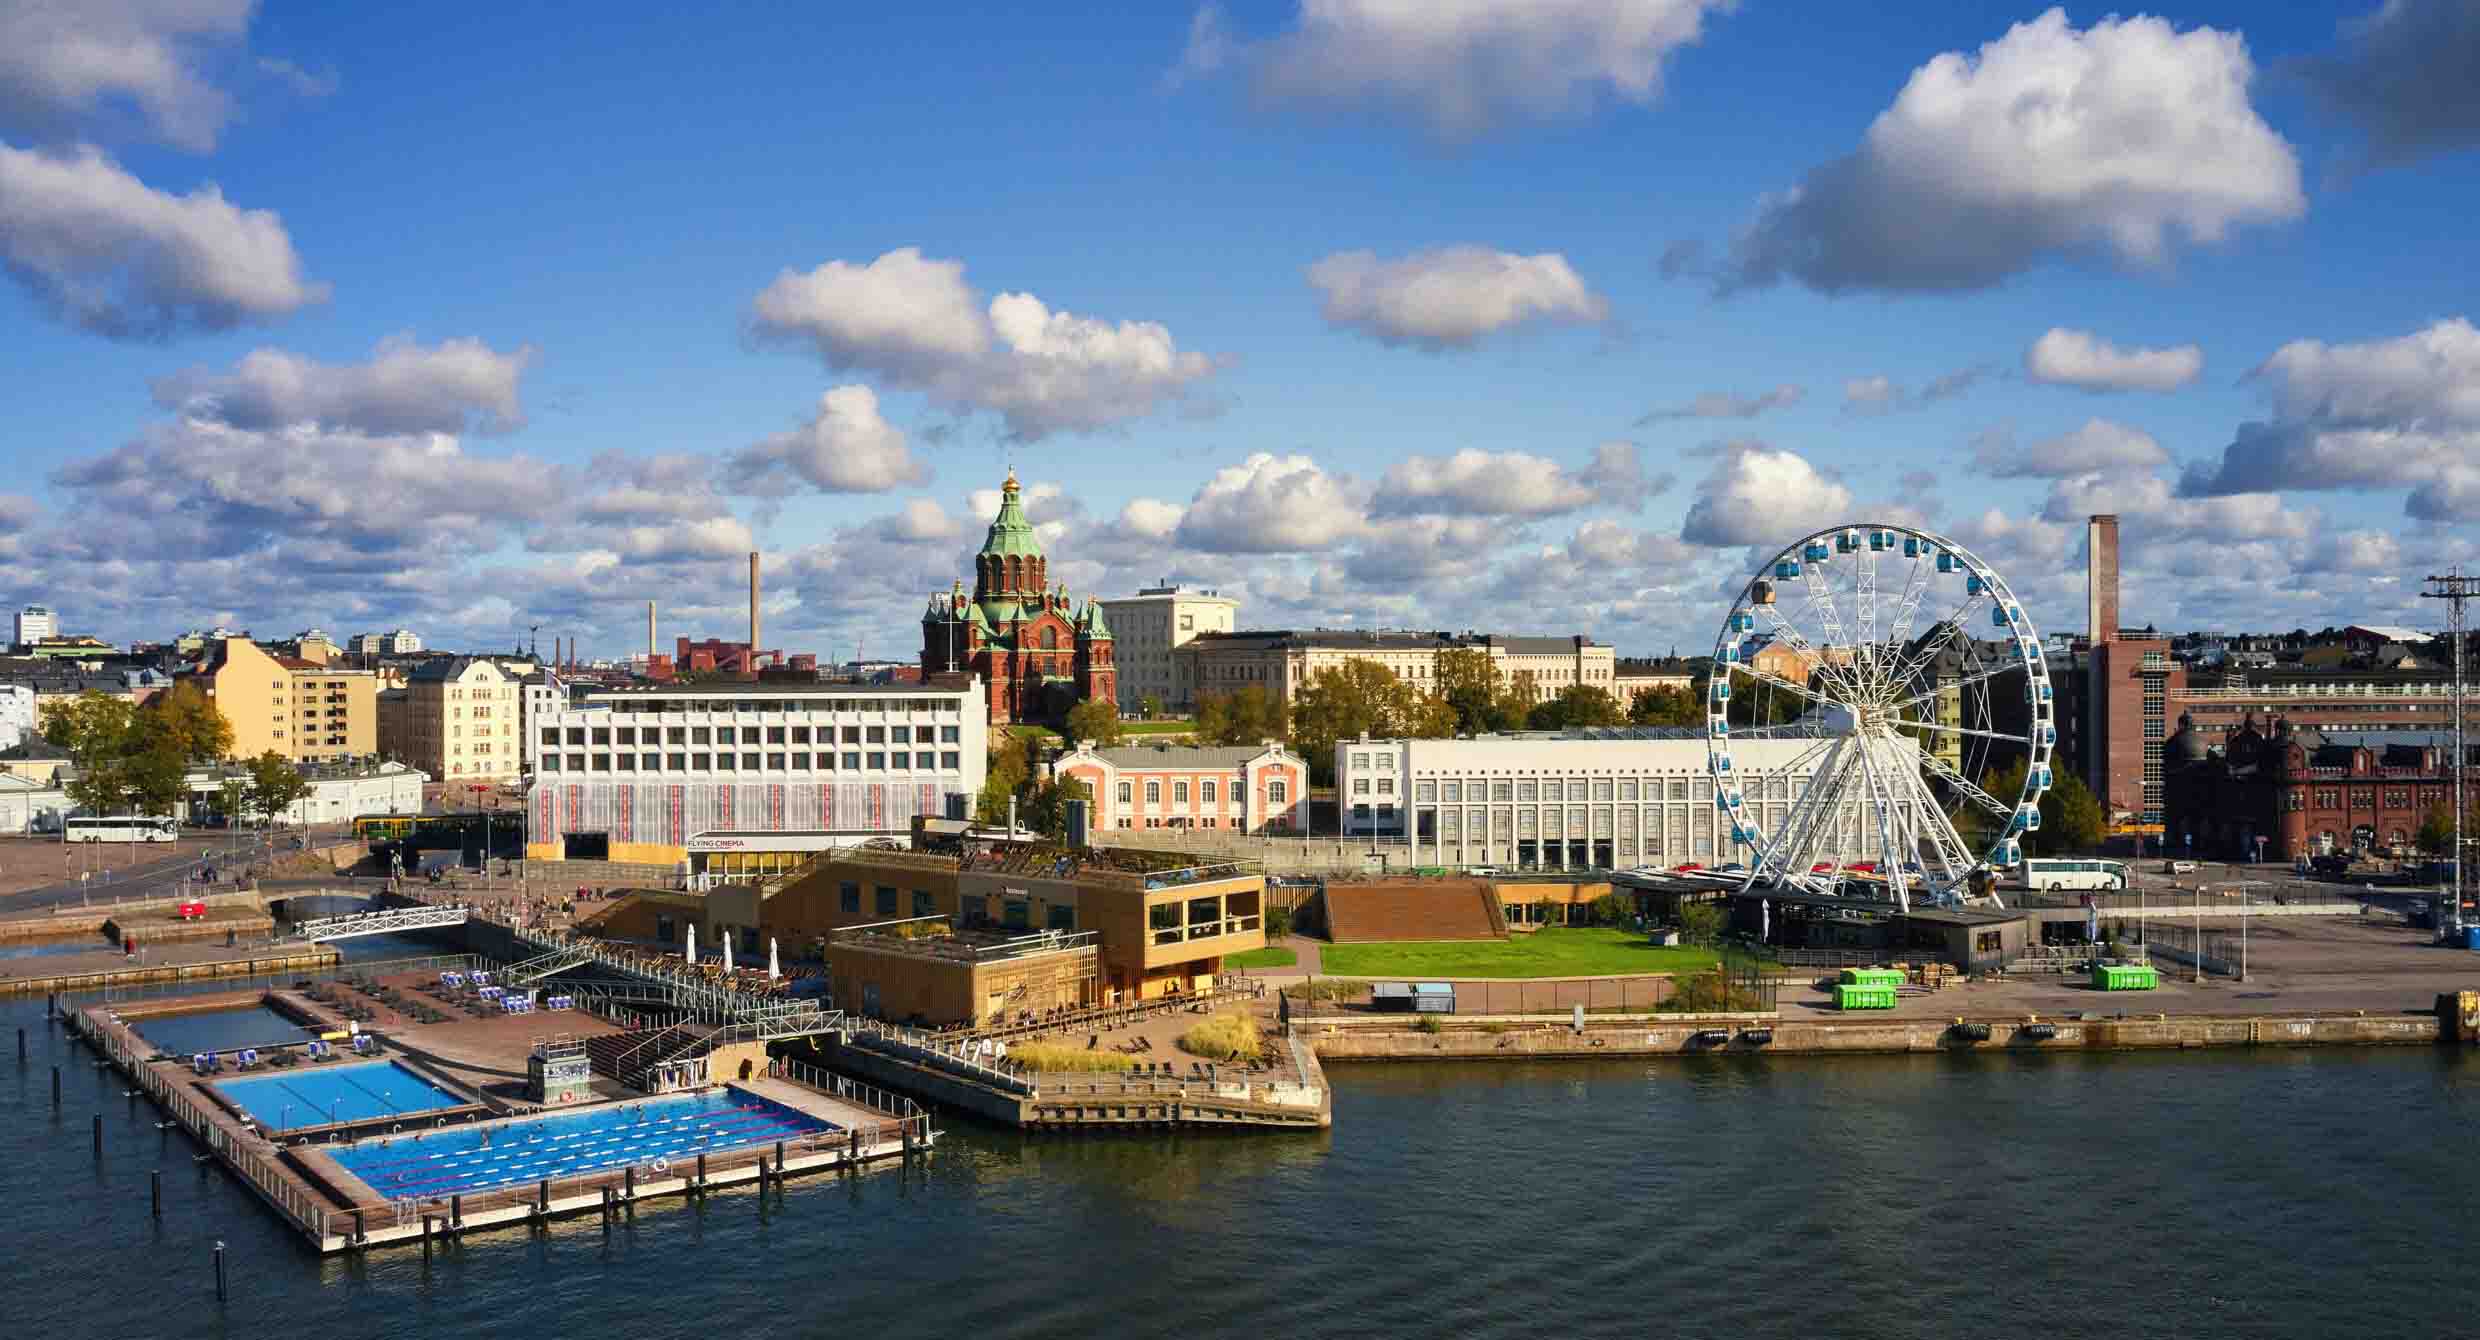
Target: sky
[1540,316]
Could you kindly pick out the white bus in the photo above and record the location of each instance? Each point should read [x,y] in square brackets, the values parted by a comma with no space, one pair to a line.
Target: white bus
[2078,873]
[121,828]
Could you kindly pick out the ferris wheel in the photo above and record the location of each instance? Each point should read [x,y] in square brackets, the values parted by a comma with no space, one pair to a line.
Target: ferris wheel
[1871,689]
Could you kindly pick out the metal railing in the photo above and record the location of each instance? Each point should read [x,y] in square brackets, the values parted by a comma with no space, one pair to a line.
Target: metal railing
[956,1056]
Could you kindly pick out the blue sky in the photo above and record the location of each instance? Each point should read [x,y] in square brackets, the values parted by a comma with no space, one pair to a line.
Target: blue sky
[514,320]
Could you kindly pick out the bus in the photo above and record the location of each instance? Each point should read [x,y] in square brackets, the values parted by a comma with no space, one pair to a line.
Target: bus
[121,828]
[2079,873]
[384,827]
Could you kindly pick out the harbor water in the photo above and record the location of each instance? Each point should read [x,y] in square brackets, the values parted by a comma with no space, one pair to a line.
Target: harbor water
[2238,1194]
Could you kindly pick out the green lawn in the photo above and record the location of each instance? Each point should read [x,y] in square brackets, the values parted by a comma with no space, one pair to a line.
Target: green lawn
[1557,952]
[1272,956]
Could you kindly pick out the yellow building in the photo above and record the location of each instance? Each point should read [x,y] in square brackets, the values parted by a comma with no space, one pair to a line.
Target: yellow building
[301,710]
[458,721]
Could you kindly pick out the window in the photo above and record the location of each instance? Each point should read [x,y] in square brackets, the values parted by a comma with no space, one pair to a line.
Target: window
[1179,793]
[852,760]
[885,900]
[1205,792]
[727,734]
[702,762]
[1360,761]
[1498,790]
[1153,793]
[1529,791]
[826,761]
[1125,792]
[551,735]
[878,760]
[602,735]
[852,735]
[650,763]
[576,735]
[878,735]
[624,735]
[775,762]
[701,735]
[576,763]
[749,762]
[923,761]
[1425,790]
[951,760]
[925,904]
[899,735]
[1386,786]
[800,735]
[848,897]
[1275,793]
[800,762]
[679,763]
[602,762]
[551,763]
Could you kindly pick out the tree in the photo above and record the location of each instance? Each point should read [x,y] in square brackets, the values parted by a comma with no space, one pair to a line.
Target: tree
[1469,683]
[1577,705]
[1044,806]
[233,799]
[1149,707]
[1094,722]
[1700,923]
[2071,818]
[1009,769]
[2437,830]
[186,720]
[1247,717]
[1665,707]
[157,778]
[275,785]
[1359,696]
[91,726]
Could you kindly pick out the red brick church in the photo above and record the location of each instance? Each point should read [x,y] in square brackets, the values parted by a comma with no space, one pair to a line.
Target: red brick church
[1036,653]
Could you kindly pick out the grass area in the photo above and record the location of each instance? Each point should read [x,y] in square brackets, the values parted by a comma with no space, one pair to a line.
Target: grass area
[1061,1058]
[1552,952]
[1229,1036]
[1272,956]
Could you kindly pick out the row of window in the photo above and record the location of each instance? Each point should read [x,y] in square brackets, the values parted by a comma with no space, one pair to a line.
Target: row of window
[2395,798]
[1531,789]
[854,760]
[937,706]
[1277,793]
[701,735]
[888,901]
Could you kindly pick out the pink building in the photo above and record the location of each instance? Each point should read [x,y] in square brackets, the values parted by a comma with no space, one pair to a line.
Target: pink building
[1241,789]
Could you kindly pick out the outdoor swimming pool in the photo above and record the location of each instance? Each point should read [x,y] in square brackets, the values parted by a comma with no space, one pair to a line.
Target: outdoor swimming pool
[463,1159]
[218,1030]
[319,1095]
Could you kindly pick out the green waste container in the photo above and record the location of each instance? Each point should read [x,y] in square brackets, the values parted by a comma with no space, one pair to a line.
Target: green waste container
[2124,977]
[1872,996]
[1871,977]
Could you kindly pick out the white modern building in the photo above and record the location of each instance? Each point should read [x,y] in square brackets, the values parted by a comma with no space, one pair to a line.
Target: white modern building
[644,773]
[35,623]
[539,694]
[30,806]
[17,716]
[1602,798]
[339,791]
[1149,627]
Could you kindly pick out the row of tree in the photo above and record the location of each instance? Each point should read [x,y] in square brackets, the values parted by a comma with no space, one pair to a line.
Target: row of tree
[135,759]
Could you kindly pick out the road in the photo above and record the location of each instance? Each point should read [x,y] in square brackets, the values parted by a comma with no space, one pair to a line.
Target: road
[114,876]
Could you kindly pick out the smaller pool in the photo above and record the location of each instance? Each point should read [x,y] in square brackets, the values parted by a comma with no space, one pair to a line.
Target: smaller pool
[218,1030]
[569,1144]
[321,1095]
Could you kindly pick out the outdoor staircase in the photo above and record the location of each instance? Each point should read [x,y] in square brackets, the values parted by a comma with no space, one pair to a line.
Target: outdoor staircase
[1425,909]
[540,966]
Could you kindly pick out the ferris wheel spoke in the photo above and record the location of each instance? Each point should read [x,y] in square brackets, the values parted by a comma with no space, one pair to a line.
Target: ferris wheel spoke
[1819,664]
[1967,790]
[1777,681]
[2024,740]
[1947,632]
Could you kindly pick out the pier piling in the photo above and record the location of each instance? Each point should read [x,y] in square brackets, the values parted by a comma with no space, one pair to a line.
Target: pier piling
[779,1162]
[542,1197]
[219,1270]
[628,1181]
[701,1174]
[155,1186]
[456,1213]
[426,1236]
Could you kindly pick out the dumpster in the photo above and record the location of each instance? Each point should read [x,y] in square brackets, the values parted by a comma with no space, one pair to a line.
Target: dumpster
[1870,997]
[1871,977]
[2124,977]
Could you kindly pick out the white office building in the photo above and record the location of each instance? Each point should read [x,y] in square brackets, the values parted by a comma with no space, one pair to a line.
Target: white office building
[35,623]
[17,716]
[1148,627]
[1602,798]
[641,773]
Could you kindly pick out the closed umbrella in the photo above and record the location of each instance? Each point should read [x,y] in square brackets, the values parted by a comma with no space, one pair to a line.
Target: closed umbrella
[690,954]
[727,951]
[774,961]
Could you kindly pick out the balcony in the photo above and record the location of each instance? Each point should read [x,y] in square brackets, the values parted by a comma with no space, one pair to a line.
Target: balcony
[1207,930]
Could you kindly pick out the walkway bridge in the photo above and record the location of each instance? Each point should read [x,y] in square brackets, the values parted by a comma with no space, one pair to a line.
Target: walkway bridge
[383,921]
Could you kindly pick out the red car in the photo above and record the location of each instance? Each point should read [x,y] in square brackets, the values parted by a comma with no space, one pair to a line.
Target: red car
[1686,866]
[191,911]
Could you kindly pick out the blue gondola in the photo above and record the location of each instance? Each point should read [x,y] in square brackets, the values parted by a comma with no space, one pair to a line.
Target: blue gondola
[1726,800]
[1848,541]
[1816,552]
[1722,763]
[2047,735]
[1787,570]
[1722,690]
[1881,540]
[1973,585]
[2031,815]
[1729,654]
[1911,546]
[2040,778]
[2006,855]
[1743,622]
[2041,692]
[1946,561]
[2002,615]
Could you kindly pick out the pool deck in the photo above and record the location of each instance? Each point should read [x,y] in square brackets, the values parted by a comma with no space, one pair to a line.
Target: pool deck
[486,1059]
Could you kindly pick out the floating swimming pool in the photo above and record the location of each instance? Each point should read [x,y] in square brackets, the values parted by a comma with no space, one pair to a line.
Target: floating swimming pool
[218,1030]
[464,1159]
[322,1095]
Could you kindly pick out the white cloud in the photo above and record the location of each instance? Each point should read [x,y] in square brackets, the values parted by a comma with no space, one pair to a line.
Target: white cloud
[2355,551]
[2149,498]
[1460,67]
[1609,545]
[1152,517]
[1759,495]
[1272,504]
[64,61]
[2394,413]
[1871,395]
[1451,297]
[2114,140]
[916,324]
[2096,446]
[2407,77]
[307,83]
[1480,483]
[844,448]
[1729,405]
[2079,358]
[120,259]
[404,388]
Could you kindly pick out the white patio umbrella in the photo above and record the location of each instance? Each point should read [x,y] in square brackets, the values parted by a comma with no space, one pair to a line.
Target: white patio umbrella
[727,951]
[690,954]
[774,961]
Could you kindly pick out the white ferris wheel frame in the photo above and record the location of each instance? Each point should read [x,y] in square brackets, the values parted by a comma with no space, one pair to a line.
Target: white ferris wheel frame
[1865,692]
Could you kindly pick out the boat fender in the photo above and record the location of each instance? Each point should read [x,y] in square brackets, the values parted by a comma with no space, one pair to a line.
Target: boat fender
[661,1164]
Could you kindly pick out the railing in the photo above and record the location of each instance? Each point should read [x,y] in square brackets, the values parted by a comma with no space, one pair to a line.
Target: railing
[850,1090]
[383,922]
[1105,1017]
[628,1068]
[114,995]
[941,1053]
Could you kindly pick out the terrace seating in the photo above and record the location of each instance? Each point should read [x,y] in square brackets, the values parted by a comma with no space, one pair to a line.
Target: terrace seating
[320,1051]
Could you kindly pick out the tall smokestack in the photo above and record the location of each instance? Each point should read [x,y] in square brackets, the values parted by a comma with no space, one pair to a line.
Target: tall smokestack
[2101,579]
[753,614]
[650,637]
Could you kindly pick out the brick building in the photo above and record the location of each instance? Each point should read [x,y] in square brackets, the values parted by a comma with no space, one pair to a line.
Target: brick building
[1035,652]
[2280,791]
[2129,679]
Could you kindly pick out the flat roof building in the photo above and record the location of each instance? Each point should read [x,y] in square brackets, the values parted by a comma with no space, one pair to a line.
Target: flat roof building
[1283,661]
[1151,626]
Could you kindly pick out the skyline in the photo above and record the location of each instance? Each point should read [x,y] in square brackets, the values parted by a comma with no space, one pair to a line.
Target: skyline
[1420,318]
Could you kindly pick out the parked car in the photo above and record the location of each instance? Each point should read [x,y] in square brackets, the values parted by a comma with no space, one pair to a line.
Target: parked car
[2179,868]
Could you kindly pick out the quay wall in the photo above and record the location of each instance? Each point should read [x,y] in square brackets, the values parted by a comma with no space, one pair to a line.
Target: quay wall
[1531,1039]
[923,1082]
[304,958]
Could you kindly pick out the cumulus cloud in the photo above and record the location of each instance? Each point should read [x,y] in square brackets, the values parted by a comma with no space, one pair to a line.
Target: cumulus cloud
[2394,413]
[65,63]
[2406,77]
[1451,297]
[2079,358]
[1758,494]
[450,387]
[1272,504]
[1618,475]
[1728,405]
[1460,67]
[2149,497]
[1481,483]
[2355,551]
[115,257]
[2117,140]
[914,323]
[1884,395]
[2098,445]
[846,447]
